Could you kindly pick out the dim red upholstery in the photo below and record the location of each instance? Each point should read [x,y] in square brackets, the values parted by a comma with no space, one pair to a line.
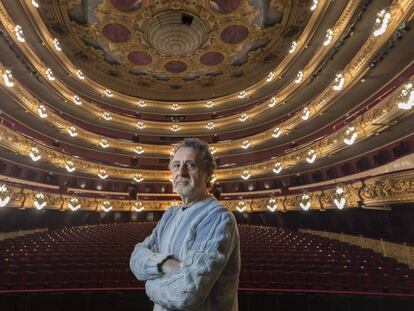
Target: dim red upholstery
[273,258]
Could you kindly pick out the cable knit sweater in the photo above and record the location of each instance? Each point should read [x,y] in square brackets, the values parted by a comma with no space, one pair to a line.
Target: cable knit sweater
[205,239]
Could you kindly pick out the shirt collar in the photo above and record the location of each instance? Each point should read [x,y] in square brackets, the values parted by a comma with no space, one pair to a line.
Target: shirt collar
[198,203]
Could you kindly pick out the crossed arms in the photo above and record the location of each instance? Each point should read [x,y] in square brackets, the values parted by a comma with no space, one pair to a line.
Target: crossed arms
[185,284]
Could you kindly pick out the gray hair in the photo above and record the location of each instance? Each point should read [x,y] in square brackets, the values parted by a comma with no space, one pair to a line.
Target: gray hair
[207,158]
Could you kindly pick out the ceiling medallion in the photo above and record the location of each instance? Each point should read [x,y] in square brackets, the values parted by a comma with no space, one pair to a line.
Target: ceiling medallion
[170,34]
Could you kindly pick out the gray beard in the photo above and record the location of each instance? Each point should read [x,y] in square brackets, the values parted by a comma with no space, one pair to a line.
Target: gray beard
[184,190]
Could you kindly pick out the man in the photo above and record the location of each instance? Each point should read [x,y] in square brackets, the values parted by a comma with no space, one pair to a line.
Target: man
[191,261]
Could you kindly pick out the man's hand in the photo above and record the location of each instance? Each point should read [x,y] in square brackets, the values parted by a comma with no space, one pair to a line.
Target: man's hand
[170,266]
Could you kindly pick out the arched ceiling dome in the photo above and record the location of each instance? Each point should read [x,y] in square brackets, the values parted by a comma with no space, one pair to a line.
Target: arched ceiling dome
[151,49]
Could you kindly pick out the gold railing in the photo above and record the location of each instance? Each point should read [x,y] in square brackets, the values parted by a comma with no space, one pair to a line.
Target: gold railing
[401,252]
[373,192]
[15,234]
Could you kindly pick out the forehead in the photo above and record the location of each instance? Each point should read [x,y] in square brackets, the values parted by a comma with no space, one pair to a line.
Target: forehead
[185,154]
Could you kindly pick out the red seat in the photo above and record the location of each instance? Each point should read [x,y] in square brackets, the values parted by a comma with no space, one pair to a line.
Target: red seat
[58,279]
[21,281]
[349,283]
[126,278]
[393,285]
[40,279]
[6,279]
[297,280]
[279,280]
[109,278]
[333,281]
[315,280]
[372,284]
[409,283]
[247,279]
[262,279]
[93,279]
[76,278]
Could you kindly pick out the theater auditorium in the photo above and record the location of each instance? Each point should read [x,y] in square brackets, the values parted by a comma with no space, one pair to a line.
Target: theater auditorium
[306,105]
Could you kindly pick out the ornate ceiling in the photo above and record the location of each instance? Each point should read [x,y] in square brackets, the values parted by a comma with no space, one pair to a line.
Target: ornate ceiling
[287,93]
[148,49]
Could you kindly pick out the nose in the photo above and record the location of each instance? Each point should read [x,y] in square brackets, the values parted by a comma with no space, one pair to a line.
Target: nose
[183,171]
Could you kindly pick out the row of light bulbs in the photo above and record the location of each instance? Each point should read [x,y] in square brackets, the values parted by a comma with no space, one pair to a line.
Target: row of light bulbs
[381,23]
[405,101]
[35,155]
[74,203]
[350,135]
[338,200]
[209,104]
[349,139]
[337,86]
[8,80]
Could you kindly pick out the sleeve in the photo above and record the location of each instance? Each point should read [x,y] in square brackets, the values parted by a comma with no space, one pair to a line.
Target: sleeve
[143,261]
[188,287]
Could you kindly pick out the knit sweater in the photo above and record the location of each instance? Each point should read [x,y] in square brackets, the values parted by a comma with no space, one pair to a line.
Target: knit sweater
[205,239]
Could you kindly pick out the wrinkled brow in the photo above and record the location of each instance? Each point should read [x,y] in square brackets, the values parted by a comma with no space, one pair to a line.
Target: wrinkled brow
[187,161]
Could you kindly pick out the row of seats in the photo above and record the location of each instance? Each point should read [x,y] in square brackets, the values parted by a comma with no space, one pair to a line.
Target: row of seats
[248,279]
[326,281]
[270,258]
[68,279]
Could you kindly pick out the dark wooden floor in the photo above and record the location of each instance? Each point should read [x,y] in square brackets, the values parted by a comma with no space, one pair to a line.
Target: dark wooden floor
[137,301]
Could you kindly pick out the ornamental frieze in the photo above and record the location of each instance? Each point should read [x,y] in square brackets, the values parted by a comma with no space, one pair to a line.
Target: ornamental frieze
[377,192]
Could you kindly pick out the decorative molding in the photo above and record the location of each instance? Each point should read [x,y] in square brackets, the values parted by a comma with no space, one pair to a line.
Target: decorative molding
[374,192]
[366,125]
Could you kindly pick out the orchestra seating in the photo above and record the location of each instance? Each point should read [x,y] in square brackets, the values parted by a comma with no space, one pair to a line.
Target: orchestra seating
[272,258]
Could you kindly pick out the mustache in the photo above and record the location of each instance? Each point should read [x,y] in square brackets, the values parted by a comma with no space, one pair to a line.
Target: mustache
[181,179]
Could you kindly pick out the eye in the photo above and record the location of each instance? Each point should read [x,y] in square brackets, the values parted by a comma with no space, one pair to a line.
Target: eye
[191,165]
[176,166]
